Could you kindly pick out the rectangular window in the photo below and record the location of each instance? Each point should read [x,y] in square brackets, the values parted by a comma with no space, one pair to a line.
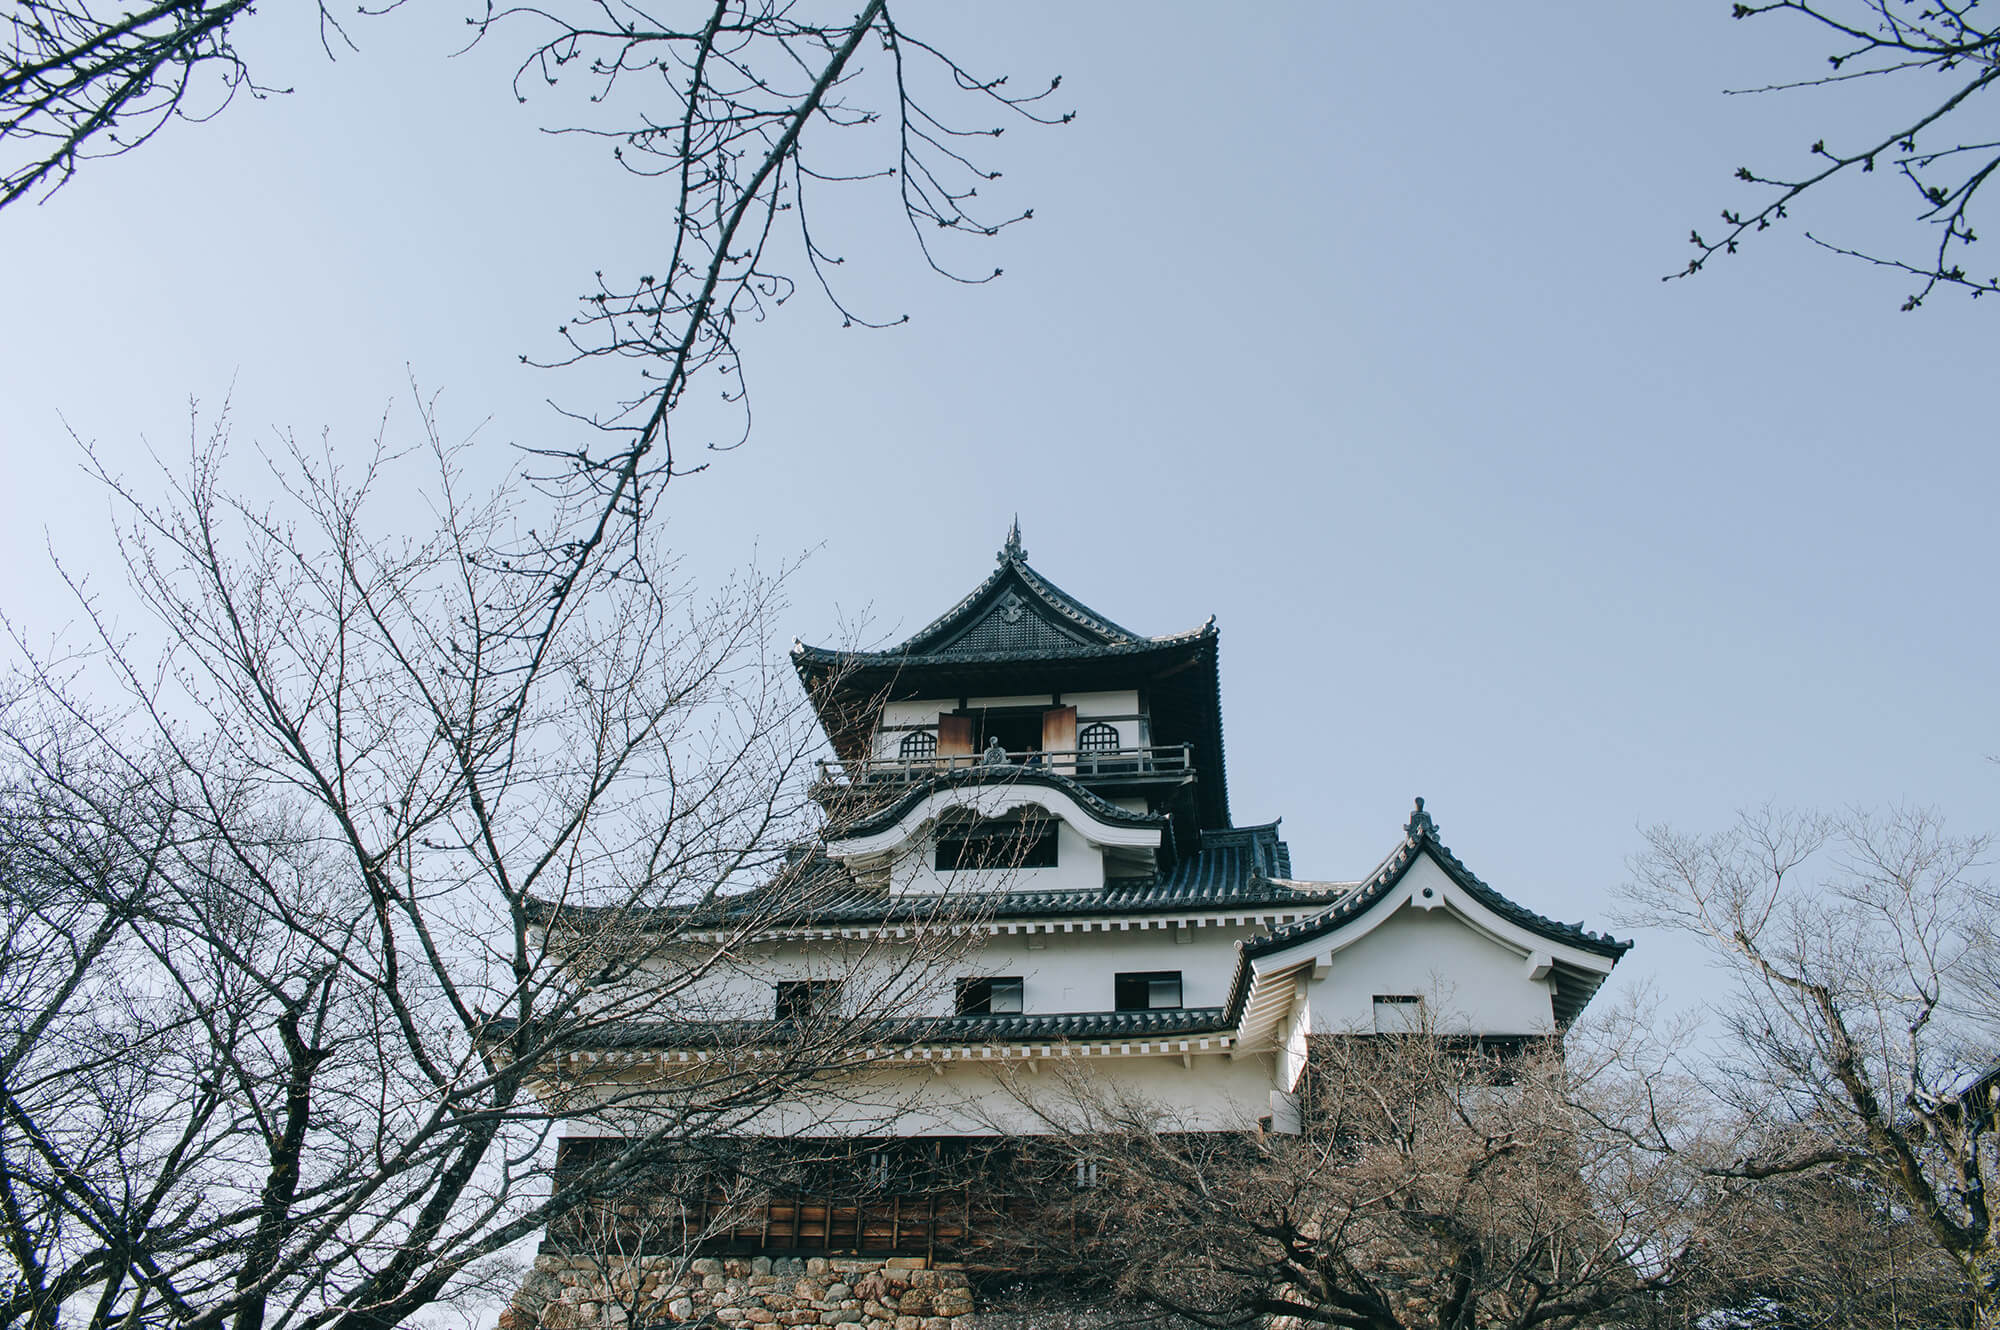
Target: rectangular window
[1398,1013]
[1148,990]
[997,844]
[804,999]
[990,997]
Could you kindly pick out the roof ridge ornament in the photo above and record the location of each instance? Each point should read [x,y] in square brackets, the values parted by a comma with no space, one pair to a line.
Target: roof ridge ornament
[1013,551]
[1420,823]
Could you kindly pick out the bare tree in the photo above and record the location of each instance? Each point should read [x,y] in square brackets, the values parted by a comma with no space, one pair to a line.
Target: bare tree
[281,1039]
[1941,56]
[1830,1248]
[751,116]
[1436,1183]
[80,82]
[1862,1028]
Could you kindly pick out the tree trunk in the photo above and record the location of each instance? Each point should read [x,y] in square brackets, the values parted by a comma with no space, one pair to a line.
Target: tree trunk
[1982,1264]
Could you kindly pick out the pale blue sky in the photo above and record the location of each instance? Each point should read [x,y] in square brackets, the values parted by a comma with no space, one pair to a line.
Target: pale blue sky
[1340,322]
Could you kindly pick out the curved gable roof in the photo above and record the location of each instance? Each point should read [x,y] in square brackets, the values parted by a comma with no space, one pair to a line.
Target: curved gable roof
[1419,837]
[1016,613]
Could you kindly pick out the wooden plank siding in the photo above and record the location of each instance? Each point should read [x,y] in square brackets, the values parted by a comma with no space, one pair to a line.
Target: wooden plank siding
[944,1198]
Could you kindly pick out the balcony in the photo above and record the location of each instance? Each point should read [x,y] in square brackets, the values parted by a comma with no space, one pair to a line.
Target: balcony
[1154,764]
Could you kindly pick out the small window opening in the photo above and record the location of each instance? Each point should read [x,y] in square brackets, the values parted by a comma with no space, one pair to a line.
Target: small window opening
[991,997]
[1086,1174]
[997,843]
[805,999]
[918,746]
[1148,990]
[875,1170]
[1398,1013]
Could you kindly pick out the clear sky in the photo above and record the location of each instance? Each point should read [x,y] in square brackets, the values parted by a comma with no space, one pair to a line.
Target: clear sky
[1342,323]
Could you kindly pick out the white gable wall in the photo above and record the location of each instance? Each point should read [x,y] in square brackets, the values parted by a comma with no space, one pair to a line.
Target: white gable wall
[1469,981]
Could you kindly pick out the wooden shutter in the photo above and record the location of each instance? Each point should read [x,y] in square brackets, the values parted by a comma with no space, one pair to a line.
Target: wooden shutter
[954,735]
[1059,735]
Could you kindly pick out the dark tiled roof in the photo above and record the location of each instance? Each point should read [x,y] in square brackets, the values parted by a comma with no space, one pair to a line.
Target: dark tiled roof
[938,1029]
[1232,871]
[997,774]
[1267,854]
[1421,834]
[1070,619]
[1014,614]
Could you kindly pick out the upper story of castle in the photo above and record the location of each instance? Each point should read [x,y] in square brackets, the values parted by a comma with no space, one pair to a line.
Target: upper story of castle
[1020,679]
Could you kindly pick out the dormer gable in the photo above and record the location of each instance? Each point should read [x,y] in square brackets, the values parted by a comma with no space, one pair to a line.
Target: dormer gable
[1423,939]
[902,846]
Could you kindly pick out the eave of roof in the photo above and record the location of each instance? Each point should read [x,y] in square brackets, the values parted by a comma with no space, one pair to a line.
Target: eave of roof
[805,658]
[1033,1027]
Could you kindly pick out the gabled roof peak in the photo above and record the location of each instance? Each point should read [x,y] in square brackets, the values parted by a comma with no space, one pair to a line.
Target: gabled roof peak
[1018,610]
[1420,836]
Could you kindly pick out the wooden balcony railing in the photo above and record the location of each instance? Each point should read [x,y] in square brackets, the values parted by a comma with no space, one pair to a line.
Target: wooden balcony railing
[1170,760]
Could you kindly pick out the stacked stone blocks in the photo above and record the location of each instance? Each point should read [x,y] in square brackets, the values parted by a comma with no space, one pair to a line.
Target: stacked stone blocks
[893,1293]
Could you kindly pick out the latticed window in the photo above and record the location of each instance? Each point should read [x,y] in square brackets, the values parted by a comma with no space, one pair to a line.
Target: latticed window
[918,745]
[1098,738]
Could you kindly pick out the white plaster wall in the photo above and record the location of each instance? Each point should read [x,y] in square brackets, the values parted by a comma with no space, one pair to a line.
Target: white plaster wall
[1469,981]
[1066,972]
[925,712]
[1063,1093]
[1070,972]
[888,742]
[877,977]
[1091,706]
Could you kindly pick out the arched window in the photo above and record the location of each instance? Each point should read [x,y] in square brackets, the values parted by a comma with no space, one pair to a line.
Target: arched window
[918,746]
[1098,738]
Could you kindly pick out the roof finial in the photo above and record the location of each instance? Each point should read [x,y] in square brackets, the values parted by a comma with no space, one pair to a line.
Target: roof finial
[1420,823]
[1012,549]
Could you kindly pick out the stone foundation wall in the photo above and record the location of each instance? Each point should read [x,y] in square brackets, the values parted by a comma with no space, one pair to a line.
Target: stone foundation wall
[896,1293]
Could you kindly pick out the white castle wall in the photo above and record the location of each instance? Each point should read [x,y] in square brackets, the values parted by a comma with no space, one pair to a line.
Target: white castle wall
[1469,981]
[1062,972]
